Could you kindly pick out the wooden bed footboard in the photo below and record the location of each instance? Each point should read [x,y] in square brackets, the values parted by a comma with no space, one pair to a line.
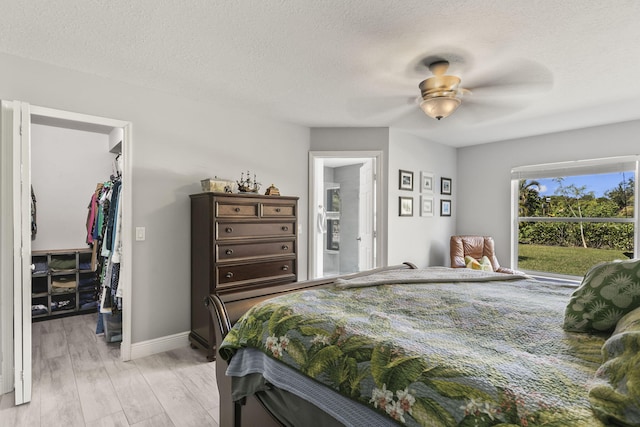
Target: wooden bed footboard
[225,309]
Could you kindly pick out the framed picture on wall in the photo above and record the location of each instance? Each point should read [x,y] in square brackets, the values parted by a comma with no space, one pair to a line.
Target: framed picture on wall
[406,180]
[445,185]
[426,182]
[333,234]
[333,199]
[445,207]
[406,206]
[426,205]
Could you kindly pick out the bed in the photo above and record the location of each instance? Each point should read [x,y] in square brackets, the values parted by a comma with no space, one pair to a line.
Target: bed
[425,347]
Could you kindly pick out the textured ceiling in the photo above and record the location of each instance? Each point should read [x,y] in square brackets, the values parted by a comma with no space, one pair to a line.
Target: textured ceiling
[356,63]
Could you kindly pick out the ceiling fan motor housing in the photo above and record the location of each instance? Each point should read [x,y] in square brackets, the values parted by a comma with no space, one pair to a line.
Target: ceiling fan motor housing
[440,92]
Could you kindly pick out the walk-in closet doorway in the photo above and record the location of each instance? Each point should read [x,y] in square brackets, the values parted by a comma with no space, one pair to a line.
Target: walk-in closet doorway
[30,155]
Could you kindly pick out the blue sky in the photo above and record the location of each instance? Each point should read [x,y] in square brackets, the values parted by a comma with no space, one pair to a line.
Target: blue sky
[597,183]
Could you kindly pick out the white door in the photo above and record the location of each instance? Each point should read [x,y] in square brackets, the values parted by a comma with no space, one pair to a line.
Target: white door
[6,246]
[17,196]
[367,219]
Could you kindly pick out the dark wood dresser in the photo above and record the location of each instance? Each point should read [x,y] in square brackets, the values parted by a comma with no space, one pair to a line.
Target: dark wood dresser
[244,241]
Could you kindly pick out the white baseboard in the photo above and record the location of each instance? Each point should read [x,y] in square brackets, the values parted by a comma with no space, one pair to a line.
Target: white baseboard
[158,345]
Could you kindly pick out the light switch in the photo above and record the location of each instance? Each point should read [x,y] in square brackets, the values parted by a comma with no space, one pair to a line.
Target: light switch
[140,233]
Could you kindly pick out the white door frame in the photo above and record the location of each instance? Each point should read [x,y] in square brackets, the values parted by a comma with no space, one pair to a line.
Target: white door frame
[366,231]
[6,248]
[316,199]
[127,204]
[22,252]
[18,197]
[16,241]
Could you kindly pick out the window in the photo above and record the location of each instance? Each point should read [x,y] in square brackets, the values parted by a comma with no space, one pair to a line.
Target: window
[571,216]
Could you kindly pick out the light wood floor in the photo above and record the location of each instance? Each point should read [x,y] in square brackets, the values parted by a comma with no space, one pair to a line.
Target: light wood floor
[79,380]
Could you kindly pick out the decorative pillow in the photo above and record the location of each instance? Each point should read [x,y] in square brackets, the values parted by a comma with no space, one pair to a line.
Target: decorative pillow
[630,322]
[608,291]
[482,264]
[615,394]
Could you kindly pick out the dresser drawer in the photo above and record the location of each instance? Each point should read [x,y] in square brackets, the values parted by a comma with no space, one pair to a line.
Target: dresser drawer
[233,209]
[231,230]
[233,251]
[276,210]
[261,271]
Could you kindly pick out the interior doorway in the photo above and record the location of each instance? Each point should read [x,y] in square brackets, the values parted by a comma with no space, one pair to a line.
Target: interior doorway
[344,202]
[17,128]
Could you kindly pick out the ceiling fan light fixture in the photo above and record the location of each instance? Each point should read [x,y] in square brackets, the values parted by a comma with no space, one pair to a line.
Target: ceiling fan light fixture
[440,107]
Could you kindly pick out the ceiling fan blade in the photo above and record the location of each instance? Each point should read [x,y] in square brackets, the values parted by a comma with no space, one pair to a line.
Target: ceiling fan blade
[519,77]
[386,106]
[475,110]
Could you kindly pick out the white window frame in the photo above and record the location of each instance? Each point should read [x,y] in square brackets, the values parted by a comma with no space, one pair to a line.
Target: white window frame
[572,168]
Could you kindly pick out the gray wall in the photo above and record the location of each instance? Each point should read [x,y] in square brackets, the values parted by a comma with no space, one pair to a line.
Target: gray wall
[421,240]
[66,165]
[176,143]
[484,173]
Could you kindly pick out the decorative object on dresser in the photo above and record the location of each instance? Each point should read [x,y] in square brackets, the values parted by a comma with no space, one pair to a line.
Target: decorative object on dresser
[217,185]
[272,190]
[63,282]
[239,242]
[248,185]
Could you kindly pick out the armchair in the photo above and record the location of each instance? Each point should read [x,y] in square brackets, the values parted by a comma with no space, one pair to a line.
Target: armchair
[475,247]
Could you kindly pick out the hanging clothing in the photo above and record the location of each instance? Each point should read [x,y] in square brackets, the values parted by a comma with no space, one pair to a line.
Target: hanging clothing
[104,233]
[34,224]
[111,220]
[91,215]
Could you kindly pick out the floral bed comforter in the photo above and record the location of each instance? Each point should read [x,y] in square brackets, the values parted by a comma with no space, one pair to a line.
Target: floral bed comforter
[455,353]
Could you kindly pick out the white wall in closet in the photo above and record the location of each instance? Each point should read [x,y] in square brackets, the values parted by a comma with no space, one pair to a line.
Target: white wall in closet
[66,166]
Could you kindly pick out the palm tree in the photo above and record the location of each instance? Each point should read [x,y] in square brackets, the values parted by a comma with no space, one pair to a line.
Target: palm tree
[529,196]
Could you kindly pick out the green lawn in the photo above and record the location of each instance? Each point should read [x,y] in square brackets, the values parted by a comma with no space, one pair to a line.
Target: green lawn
[561,260]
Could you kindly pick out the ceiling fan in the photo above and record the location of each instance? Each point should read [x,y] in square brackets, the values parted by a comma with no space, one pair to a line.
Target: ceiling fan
[442,94]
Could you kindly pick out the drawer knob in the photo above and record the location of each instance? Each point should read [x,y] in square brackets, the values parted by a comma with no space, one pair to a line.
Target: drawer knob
[228,230]
[237,209]
[229,275]
[285,228]
[285,247]
[277,209]
[285,267]
[228,251]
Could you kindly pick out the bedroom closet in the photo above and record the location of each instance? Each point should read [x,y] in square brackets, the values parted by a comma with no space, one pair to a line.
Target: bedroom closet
[55,164]
[75,241]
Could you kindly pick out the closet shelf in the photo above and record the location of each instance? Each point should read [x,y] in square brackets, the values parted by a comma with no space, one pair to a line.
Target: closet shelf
[59,281]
